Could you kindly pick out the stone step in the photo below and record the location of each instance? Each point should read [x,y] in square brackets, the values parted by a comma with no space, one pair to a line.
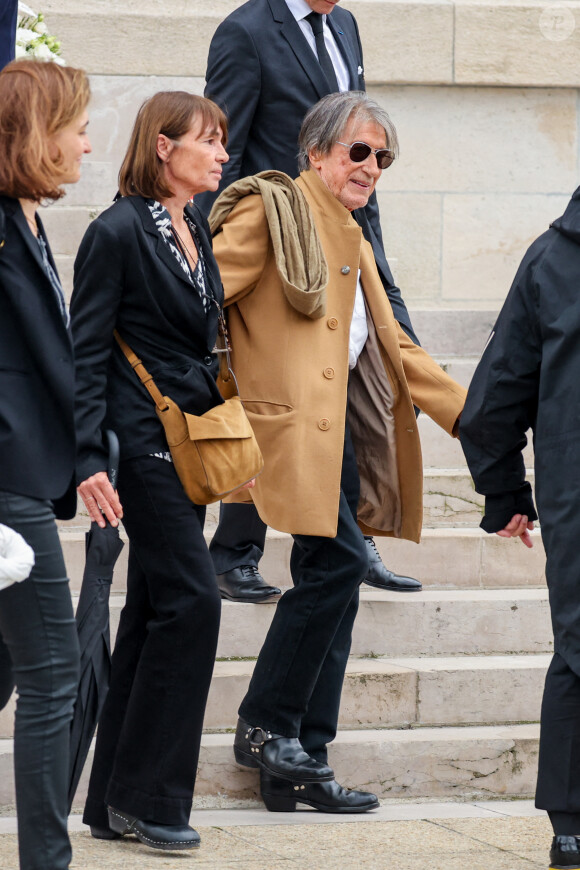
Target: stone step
[449,497]
[472,762]
[437,42]
[405,692]
[441,622]
[389,692]
[447,558]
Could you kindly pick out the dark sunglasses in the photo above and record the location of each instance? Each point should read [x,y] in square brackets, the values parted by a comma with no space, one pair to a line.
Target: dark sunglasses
[359,151]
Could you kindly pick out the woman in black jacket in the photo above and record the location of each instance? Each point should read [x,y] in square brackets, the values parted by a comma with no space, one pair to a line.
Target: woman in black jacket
[43,122]
[145,268]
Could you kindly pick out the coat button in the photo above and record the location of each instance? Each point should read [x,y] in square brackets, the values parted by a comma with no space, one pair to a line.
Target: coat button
[208,360]
[332,323]
[324,424]
[345,270]
[329,373]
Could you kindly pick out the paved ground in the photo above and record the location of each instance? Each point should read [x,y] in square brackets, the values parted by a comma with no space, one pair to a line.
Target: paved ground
[494,835]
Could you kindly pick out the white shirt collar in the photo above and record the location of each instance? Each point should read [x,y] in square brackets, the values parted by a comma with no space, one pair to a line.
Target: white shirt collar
[300,9]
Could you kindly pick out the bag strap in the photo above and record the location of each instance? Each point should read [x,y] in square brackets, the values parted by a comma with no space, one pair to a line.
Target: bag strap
[142,373]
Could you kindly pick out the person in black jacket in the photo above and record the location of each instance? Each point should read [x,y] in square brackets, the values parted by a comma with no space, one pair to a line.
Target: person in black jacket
[145,268]
[43,137]
[266,68]
[8,20]
[528,378]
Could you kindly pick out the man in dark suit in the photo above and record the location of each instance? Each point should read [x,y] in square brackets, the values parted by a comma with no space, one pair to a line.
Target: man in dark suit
[8,14]
[269,62]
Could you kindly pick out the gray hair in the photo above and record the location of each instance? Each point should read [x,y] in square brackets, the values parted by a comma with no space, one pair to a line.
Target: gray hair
[326,121]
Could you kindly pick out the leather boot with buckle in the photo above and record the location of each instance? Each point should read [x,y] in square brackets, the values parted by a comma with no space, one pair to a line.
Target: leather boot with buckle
[280,756]
[281,796]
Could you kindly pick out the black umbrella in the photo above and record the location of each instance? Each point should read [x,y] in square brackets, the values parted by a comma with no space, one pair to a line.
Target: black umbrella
[102,547]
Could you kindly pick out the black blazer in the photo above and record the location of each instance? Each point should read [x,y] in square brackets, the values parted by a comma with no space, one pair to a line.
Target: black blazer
[37,440]
[264,75]
[126,278]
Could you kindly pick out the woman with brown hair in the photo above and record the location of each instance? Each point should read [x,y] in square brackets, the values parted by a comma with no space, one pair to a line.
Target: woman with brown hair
[145,268]
[43,137]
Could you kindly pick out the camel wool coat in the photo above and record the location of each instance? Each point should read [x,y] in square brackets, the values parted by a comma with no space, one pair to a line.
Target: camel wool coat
[293,375]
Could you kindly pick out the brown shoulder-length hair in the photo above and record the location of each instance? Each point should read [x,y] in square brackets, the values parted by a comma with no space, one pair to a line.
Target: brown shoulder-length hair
[171,113]
[37,100]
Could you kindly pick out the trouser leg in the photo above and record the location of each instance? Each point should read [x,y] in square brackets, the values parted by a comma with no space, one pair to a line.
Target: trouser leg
[239,538]
[319,724]
[38,630]
[326,573]
[558,787]
[163,663]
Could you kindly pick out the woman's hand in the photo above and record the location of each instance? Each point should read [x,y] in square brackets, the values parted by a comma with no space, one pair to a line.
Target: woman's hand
[518,527]
[101,500]
[249,485]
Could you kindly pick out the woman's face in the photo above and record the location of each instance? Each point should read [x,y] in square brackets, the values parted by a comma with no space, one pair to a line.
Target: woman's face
[351,183]
[72,142]
[194,162]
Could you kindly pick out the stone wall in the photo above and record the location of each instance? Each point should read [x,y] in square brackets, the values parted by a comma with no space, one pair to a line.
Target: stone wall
[485,97]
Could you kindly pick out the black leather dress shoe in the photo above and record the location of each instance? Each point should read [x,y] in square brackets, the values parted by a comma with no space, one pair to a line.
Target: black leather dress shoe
[565,853]
[152,834]
[382,578]
[280,756]
[282,795]
[246,584]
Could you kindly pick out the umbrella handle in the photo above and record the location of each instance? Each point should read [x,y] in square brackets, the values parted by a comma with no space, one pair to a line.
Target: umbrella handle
[114,454]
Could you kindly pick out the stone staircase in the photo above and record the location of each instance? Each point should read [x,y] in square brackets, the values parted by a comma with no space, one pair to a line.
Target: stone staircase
[443,688]
[442,694]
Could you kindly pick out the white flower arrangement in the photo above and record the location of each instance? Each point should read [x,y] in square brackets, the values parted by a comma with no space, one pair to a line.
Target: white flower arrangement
[33,39]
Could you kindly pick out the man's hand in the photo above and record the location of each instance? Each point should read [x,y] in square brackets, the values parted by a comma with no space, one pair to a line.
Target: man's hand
[518,527]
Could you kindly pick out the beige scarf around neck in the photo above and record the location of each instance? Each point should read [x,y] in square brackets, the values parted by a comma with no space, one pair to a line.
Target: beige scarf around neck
[298,253]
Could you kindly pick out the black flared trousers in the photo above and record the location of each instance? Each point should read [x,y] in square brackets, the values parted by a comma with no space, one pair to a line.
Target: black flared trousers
[558,788]
[297,681]
[150,731]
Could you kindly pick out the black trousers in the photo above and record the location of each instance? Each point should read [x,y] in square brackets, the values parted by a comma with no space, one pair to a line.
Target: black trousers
[239,538]
[150,731]
[39,653]
[558,788]
[297,681]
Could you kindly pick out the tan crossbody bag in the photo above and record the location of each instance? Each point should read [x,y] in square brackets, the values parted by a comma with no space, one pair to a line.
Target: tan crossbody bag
[215,453]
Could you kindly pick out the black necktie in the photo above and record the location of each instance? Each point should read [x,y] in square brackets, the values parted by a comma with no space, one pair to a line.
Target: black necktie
[315,21]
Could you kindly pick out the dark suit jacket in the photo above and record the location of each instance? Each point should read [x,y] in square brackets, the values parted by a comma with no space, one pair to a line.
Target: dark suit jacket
[265,76]
[126,278]
[8,18]
[37,439]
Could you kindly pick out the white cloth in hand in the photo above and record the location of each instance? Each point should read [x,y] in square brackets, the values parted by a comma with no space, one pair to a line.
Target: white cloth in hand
[16,557]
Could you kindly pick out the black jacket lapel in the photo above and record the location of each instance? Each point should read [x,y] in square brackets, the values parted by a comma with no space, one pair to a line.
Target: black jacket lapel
[290,31]
[161,247]
[343,42]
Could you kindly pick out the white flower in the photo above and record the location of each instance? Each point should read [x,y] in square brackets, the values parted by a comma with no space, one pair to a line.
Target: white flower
[42,52]
[41,28]
[19,51]
[24,35]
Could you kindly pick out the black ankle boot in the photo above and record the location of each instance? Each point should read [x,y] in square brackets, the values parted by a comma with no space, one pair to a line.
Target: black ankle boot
[282,795]
[280,756]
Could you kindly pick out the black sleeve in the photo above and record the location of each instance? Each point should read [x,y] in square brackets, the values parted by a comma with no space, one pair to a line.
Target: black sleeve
[98,280]
[502,403]
[233,81]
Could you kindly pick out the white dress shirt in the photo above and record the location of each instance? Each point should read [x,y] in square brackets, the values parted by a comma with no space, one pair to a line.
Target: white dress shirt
[300,9]
[359,330]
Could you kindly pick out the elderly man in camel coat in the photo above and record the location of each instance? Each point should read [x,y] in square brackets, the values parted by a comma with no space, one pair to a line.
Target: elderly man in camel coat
[328,380]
